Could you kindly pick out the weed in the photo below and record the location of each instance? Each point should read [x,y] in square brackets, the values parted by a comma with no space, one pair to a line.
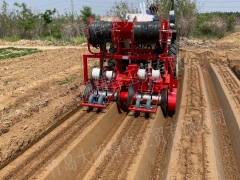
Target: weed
[5,82]
[96,64]
[67,80]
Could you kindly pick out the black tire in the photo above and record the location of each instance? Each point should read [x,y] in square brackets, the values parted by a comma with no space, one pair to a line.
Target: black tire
[89,87]
[131,93]
[164,101]
[173,51]
[101,101]
[148,107]
[137,105]
[91,100]
[112,62]
[112,49]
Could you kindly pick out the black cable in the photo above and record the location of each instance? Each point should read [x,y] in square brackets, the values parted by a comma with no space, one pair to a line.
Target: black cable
[146,32]
[99,33]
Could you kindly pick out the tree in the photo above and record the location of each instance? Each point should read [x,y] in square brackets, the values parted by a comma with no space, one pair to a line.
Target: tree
[26,19]
[86,13]
[4,8]
[4,19]
[163,8]
[120,9]
[231,22]
[185,13]
[48,16]
[215,24]
[186,16]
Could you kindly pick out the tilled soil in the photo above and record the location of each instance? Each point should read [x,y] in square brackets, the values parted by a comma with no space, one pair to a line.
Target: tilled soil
[194,158]
[32,100]
[40,119]
[115,166]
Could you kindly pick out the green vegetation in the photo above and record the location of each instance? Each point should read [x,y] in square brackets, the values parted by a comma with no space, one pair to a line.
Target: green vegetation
[78,40]
[5,82]
[24,23]
[86,13]
[67,80]
[11,52]
[188,19]
[120,9]
[96,64]
[11,38]
[215,24]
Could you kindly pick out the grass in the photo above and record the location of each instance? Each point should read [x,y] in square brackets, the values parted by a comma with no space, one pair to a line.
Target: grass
[72,41]
[48,38]
[11,38]
[75,41]
[67,80]
[210,36]
[78,40]
[96,64]
[12,52]
[206,36]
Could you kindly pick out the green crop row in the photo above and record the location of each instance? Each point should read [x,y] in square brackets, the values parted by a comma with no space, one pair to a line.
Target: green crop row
[12,52]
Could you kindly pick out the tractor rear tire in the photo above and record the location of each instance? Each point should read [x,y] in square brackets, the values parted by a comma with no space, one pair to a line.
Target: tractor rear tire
[173,51]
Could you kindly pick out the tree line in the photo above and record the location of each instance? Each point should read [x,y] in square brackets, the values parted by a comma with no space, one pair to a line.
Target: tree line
[24,23]
[216,24]
[189,20]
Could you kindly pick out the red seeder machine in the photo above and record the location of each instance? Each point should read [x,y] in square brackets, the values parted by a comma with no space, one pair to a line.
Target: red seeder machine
[138,71]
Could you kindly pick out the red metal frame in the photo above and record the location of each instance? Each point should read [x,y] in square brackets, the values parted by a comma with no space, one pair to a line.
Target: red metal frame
[124,77]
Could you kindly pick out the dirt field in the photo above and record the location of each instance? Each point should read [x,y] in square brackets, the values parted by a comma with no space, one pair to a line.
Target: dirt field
[45,134]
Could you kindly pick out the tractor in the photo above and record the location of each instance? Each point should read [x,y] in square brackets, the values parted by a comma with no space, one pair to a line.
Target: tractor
[137,65]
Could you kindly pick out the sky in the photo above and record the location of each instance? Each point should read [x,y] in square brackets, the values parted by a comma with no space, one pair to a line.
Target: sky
[100,7]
